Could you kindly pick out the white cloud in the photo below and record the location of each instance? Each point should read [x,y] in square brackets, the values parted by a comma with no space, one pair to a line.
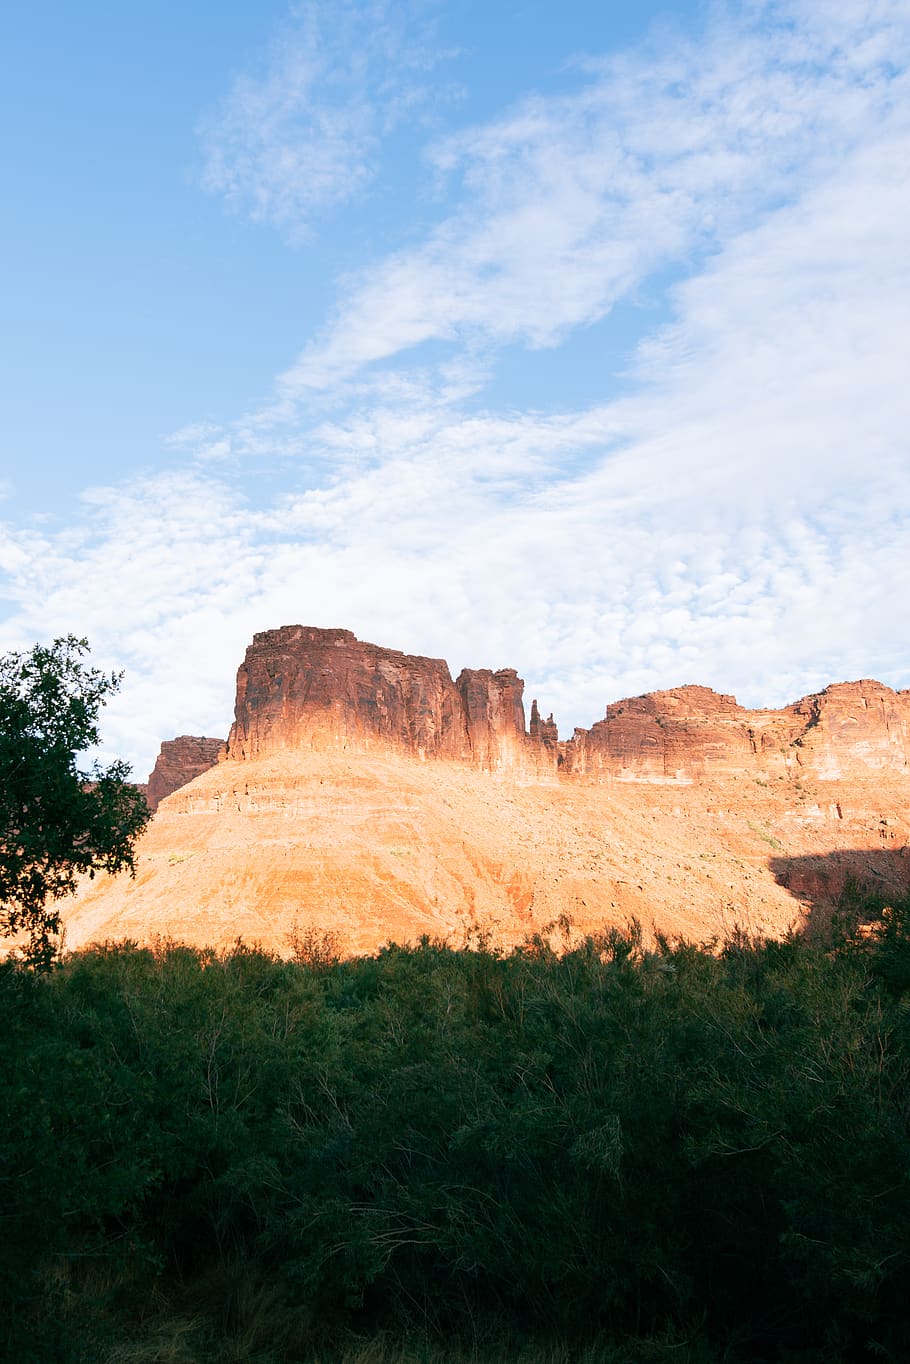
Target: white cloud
[569,204]
[306,133]
[739,517]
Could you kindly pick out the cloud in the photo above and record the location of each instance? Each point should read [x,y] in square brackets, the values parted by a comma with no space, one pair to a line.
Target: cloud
[567,205]
[738,515]
[306,133]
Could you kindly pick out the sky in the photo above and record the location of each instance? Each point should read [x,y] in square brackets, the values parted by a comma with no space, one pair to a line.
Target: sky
[571,338]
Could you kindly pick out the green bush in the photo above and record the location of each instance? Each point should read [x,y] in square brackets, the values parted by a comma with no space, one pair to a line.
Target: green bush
[611,1151]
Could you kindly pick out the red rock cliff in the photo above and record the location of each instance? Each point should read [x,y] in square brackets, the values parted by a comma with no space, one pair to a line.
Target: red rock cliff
[692,732]
[179,761]
[853,724]
[494,716]
[300,687]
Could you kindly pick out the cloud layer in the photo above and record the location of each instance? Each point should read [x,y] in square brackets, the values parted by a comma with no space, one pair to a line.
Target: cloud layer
[306,132]
[736,515]
[565,206]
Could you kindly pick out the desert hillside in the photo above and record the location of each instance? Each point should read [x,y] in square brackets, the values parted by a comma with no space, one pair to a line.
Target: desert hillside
[364,792]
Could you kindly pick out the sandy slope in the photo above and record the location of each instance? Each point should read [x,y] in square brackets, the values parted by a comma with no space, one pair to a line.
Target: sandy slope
[381,847]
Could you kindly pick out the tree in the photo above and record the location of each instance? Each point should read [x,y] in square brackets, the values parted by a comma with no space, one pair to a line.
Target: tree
[57,822]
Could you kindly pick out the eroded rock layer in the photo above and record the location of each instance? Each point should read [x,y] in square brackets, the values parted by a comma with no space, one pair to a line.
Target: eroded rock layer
[366,793]
[302,688]
[179,761]
[690,732]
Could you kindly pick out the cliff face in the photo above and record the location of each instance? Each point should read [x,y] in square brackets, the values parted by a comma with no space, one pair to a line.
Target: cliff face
[692,732]
[680,808]
[664,736]
[179,761]
[304,688]
[301,688]
[494,716]
[853,723]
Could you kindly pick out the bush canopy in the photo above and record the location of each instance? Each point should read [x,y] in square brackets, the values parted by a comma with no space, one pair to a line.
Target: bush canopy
[57,821]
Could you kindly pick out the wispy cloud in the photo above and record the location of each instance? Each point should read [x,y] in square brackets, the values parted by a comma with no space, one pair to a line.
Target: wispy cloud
[306,132]
[566,205]
[738,516]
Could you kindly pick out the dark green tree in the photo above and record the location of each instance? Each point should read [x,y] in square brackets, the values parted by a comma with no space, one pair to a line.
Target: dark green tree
[57,821]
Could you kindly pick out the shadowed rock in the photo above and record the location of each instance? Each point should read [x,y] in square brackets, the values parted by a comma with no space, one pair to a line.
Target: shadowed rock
[179,761]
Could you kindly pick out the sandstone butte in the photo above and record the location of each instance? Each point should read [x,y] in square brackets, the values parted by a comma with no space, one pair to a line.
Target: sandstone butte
[365,793]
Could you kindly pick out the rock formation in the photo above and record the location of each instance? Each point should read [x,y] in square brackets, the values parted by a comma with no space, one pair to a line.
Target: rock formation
[853,723]
[179,761]
[544,731]
[365,792]
[494,717]
[690,733]
[302,688]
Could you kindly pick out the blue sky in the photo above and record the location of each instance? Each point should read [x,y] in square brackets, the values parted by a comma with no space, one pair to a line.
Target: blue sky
[570,338]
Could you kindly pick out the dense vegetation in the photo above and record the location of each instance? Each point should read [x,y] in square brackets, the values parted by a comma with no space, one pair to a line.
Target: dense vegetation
[608,1153]
[57,821]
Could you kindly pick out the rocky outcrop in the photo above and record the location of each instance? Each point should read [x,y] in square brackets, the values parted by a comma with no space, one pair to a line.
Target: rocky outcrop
[305,688]
[690,733]
[853,724]
[544,731]
[676,735]
[332,811]
[494,716]
[179,761]
[299,687]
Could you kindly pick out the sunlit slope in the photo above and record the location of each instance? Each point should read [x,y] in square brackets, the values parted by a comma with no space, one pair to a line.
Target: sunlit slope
[375,847]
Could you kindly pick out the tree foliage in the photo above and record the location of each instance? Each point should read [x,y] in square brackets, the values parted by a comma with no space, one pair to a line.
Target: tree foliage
[57,820]
[615,1154]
